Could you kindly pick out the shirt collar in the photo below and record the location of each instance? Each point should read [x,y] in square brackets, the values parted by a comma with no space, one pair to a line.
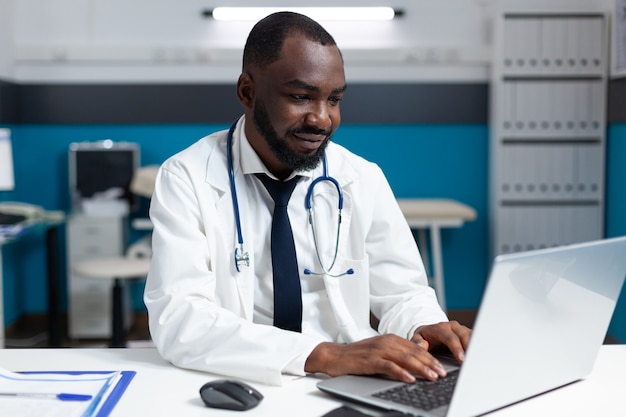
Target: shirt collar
[252,164]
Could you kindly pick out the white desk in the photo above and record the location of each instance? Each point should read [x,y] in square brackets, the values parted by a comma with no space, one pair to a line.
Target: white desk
[160,389]
[433,215]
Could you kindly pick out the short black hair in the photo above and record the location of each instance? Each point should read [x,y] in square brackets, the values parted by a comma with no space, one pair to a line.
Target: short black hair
[266,38]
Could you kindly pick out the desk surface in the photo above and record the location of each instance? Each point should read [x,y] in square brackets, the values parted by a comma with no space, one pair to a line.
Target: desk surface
[437,209]
[160,389]
[16,231]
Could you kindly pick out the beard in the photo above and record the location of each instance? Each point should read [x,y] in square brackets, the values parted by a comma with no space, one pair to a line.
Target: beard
[280,146]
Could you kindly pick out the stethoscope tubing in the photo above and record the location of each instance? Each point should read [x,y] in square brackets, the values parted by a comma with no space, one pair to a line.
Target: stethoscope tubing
[241,256]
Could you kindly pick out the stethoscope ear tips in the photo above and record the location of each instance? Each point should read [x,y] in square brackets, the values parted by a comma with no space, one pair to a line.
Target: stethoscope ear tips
[307,271]
[350,271]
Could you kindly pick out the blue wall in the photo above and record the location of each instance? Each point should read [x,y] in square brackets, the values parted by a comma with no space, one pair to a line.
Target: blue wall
[616,210]
[448,161]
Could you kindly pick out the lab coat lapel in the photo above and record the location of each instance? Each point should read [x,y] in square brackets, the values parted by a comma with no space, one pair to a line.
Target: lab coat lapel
[217,176]
[340,288]
[345,174]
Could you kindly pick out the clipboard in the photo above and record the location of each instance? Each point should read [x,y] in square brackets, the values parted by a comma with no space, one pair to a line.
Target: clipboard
[113,394]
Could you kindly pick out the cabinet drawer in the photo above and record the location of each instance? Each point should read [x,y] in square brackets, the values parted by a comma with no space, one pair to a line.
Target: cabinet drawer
[92,250]
[104,232]
[90,237]
[78,284]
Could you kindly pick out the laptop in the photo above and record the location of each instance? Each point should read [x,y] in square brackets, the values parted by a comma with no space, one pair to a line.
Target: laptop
[542,319]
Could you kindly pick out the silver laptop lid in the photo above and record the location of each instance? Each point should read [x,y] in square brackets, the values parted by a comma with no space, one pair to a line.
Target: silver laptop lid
[542,320]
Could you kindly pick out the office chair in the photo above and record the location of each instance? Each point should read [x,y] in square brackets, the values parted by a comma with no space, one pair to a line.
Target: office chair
[135,263]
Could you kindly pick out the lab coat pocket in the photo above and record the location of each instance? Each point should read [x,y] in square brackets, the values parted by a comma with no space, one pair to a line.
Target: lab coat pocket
[349,298]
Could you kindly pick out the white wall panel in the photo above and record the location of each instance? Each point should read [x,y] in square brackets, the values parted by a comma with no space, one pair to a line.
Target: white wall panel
[6,39]
[89,40]
[52,22]
[97,40]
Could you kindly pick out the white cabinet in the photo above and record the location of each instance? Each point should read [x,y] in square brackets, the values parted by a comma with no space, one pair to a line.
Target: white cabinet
[548,122]
[89,310]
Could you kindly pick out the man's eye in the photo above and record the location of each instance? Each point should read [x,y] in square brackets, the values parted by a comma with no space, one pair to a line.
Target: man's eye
[335,99]
[300,97]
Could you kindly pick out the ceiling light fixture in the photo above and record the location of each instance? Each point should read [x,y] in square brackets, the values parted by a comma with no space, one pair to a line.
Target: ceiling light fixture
[317,13]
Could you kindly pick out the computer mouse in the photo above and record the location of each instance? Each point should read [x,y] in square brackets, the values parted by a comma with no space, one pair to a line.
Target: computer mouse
[230,395]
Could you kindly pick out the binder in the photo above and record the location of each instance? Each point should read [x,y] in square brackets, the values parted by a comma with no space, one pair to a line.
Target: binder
[505,183]
[597,107]
[514,46]
[543,101]
[561,108]
[530,114]
[509,45]
[559,45]
[589,171]
[566,115]
[591,43]
[568,178]
[531,39]
[510,172]
[572,54]
[513,88]
[572,108]
[597,36]
[581,101]
[520,109]
[508,110]
[547,51]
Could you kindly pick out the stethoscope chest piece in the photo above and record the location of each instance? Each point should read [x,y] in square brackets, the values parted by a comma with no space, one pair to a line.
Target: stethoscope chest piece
[242,258]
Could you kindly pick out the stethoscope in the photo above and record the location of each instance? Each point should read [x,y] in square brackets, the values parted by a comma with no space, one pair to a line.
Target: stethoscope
[242,258]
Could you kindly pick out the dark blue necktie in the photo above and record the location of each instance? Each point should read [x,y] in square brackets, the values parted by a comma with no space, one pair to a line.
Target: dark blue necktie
[287,291]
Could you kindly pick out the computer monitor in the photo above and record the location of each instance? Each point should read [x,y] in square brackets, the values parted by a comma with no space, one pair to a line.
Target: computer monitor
[95,167]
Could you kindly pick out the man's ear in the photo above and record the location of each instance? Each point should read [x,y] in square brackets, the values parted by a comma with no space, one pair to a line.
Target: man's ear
[245,90]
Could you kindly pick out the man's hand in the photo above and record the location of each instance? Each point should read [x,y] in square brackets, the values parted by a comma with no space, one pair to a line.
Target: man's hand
[452,335]
[388,355]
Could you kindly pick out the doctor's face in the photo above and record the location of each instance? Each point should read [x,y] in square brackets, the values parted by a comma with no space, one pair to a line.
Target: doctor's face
[295,109]
[296,161]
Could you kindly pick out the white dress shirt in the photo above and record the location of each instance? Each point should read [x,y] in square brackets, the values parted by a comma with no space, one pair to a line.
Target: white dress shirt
[317,315]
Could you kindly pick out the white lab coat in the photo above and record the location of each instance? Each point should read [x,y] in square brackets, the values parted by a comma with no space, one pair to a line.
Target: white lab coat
[201,309]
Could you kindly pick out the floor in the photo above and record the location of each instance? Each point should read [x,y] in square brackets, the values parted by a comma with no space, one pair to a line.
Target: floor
[31,332]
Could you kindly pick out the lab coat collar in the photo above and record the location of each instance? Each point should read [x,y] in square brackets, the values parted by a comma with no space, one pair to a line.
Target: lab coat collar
[246,161]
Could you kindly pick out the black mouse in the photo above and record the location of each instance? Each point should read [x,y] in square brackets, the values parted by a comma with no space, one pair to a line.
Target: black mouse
[230,395]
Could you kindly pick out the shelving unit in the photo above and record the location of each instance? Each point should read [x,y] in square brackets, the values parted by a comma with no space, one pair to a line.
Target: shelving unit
[548,129]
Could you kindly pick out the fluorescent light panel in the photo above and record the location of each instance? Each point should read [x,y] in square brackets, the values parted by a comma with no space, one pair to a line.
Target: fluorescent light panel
[317,13]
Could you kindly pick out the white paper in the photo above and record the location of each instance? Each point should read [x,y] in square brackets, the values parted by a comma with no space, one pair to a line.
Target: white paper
[97,385]
[7,182]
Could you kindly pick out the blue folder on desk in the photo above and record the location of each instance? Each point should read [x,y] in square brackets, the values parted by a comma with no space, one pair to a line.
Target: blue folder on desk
[112,397]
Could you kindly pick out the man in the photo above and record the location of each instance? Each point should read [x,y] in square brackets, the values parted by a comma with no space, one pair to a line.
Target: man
[210,292]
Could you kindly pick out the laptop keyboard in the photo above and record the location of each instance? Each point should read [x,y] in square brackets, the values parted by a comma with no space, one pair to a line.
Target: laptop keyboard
[423,394]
